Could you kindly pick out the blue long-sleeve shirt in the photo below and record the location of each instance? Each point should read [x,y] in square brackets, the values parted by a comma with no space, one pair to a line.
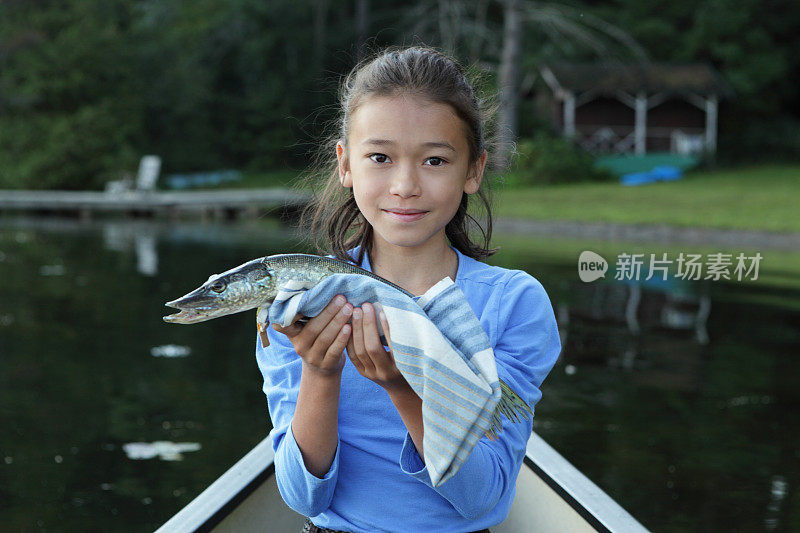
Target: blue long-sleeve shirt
[377,481]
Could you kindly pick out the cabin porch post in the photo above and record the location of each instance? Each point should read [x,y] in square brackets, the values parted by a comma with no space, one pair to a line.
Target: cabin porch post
[711,124]
[569,114]
[641,123]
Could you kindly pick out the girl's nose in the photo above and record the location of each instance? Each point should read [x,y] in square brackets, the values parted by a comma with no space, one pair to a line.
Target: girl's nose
[405,183]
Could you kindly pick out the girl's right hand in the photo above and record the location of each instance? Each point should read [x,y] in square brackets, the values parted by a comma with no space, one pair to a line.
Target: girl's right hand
[320,343]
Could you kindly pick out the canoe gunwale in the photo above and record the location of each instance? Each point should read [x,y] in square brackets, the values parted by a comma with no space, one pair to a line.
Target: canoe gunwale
[240,496]
[217,501]
[566,496]
[223,496]
[579,492]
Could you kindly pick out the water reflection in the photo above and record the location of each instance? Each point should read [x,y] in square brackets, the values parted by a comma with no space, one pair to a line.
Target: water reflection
[170,350]
[123,236]
[52,270]
[623,323]
[683,415]
[88,366]
[778,491]
[163,449]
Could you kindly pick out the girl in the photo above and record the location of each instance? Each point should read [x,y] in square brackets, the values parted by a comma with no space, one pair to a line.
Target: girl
[347,426]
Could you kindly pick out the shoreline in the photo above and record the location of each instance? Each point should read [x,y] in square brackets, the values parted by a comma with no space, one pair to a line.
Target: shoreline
[649,233]
[602,231]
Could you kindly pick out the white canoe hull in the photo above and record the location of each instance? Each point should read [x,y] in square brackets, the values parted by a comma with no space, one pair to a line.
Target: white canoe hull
[552,496]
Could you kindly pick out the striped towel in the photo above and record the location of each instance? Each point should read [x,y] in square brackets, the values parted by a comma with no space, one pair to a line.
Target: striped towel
[438,345]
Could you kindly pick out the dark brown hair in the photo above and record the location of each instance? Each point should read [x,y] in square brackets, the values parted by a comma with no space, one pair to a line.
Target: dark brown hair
[334,219]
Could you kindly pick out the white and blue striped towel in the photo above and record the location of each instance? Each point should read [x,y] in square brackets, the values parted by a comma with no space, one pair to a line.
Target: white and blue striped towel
[438,345]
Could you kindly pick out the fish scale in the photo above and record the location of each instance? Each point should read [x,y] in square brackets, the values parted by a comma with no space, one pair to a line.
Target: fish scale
[297,266]
[255,284]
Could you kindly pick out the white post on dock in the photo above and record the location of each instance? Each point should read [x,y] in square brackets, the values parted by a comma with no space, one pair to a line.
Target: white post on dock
[149,168]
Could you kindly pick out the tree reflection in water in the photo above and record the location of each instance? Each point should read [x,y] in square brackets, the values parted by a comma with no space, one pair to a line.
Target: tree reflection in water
[683,415]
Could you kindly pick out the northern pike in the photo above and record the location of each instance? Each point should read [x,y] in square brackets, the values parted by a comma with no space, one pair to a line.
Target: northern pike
[255,284]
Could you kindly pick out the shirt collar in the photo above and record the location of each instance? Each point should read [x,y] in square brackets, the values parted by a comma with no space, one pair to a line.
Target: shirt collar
[462,261]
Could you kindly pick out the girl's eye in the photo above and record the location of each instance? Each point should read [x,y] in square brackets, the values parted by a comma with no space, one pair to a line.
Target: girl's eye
[436,161]
[375,157]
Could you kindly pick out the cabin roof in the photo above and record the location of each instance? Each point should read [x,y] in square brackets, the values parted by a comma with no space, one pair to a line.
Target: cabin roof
[696,78]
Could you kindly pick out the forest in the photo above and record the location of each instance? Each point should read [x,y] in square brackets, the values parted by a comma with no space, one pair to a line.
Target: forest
[89,86]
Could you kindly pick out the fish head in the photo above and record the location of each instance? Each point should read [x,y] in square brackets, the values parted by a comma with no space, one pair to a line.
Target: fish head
[245,287]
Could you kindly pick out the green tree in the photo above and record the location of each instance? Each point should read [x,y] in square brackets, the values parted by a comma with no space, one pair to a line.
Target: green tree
[754,45]
[69,105]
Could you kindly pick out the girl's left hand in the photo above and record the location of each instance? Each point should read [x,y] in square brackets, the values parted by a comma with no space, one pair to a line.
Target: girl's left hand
[367,353]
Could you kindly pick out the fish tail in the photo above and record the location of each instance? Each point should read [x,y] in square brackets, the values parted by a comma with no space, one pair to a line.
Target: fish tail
[512,406]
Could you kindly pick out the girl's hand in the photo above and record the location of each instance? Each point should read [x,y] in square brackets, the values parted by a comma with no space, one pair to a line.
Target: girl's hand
[320,343]
[368,354]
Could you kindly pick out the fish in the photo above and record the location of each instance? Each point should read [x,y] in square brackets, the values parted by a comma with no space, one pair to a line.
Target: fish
[255,284]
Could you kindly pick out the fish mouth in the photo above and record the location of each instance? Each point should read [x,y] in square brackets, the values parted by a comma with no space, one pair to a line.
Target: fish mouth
[191,309]
[186,316]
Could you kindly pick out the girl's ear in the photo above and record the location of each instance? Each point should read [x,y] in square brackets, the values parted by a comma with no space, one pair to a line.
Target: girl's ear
[475,175]
[345,177]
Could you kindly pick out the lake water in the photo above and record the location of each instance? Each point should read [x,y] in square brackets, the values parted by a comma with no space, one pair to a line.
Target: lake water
[677,398]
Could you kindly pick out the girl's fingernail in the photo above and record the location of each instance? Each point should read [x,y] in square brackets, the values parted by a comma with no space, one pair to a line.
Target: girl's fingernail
[346,310]
[357,313]
[340,300]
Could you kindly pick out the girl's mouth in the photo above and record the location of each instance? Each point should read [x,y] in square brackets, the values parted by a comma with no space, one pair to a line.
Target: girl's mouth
[405,215]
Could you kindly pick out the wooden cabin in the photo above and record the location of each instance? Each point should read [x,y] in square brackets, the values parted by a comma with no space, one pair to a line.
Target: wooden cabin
[635,109]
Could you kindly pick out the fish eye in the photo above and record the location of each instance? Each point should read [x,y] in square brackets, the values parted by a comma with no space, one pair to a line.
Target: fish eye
[218,286]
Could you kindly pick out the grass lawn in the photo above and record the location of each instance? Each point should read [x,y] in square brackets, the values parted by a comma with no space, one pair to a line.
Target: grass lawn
[762,197]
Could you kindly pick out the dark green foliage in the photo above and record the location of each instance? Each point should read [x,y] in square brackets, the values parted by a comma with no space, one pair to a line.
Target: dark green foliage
[545,159]
[756,48]
[69,106]
[762,141]
[89,86]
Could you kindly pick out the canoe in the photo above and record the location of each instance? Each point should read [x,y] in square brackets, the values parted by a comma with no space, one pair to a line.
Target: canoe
[552,496]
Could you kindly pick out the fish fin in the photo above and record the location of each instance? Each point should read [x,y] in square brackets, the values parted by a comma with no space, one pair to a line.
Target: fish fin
[262,333]
[262,323]
[264,338]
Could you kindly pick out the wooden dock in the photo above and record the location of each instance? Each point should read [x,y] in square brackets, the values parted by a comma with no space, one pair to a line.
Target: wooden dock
[223,203]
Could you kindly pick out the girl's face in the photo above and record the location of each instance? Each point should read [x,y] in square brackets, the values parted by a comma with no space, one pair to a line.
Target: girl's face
[408,165]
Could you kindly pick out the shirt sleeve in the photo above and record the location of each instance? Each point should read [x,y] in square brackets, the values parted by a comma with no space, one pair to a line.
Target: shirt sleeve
[301,490]
[527,347]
